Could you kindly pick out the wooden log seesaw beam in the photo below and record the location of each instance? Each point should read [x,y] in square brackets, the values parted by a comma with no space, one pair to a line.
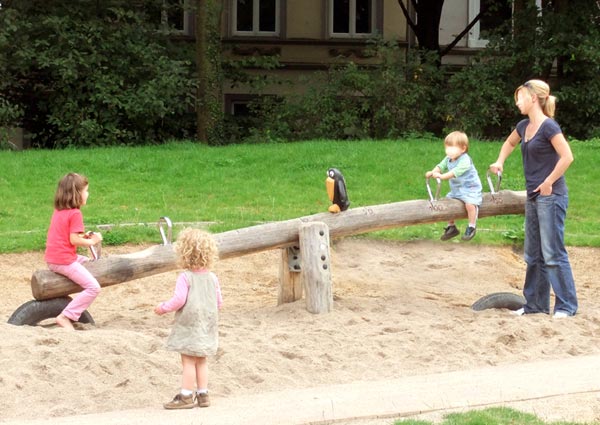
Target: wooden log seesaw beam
[116,269]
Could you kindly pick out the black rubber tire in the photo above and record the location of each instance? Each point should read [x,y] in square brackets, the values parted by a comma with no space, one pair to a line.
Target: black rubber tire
[499,300]
[33,312]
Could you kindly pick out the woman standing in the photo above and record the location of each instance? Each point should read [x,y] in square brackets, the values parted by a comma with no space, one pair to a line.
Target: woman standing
[546,158]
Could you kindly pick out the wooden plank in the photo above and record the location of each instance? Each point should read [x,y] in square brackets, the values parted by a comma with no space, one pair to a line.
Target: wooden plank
[122,268]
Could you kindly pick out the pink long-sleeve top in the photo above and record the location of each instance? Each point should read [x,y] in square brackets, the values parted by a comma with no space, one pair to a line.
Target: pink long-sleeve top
[182,287]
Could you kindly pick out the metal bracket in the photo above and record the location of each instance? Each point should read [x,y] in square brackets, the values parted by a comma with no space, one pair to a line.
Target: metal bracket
[168,237]
[294,260]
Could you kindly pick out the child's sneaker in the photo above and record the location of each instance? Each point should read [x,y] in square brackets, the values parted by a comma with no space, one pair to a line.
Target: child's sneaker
[181,401]
[203,400]
[449,232]
[469,233]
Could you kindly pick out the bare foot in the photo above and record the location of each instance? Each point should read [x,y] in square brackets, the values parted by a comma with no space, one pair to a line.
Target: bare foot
[64,322]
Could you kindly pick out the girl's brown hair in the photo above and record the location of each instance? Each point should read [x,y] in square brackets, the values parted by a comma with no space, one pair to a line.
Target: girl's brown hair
[541,90]
[196,249]
[69,191]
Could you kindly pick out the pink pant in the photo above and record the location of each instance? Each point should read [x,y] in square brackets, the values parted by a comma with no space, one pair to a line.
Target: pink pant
[81,276]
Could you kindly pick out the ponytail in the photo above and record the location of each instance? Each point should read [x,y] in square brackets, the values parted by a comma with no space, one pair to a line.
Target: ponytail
[542,91]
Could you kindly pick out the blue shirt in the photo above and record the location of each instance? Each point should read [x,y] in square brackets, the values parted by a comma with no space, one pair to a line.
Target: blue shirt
[540,157]
[466,185]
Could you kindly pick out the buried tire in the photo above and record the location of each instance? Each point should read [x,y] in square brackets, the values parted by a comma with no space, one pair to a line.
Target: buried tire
[499,300]
[33,312]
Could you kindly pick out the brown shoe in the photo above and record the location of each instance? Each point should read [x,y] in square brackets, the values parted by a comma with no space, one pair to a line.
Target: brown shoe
[203,400]
[449,232]
[181,401]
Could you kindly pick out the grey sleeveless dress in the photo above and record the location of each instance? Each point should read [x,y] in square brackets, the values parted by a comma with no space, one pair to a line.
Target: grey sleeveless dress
[195,332]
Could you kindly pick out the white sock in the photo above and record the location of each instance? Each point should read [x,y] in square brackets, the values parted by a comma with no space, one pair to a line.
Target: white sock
[186,393]
[201,391]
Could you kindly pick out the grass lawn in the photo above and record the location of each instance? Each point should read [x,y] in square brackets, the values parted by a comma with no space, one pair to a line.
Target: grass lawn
[243,185]
[490,416]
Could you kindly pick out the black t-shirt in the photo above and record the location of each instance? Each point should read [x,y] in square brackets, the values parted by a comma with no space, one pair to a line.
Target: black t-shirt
[540,157]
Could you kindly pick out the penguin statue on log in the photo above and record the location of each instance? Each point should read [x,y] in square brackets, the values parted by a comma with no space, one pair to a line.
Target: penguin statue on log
[336,190]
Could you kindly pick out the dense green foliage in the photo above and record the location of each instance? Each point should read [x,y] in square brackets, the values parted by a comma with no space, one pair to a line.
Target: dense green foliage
[99,73]
[242,185]
[407,94]
[91,73]
[559,46]
[397,97]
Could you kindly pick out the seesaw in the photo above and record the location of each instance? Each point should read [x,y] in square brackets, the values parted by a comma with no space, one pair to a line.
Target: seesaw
[304,244]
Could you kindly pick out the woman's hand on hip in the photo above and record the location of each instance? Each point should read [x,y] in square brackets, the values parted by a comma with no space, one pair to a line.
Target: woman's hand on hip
[545,189]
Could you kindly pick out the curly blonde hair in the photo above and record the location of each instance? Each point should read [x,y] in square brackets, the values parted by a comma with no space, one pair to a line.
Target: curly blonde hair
[196,249]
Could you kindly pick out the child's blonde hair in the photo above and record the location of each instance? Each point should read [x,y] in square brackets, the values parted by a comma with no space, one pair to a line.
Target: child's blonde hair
[457,138]
[196,249]
[542,91]
[69,191]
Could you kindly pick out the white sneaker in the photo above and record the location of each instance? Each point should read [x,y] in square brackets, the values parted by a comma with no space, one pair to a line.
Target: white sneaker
[560,315]
[518,312]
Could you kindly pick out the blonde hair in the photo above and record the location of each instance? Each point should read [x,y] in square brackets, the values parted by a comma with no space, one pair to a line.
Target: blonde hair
[196,249]
[69,191]
[541,90]
[457,138]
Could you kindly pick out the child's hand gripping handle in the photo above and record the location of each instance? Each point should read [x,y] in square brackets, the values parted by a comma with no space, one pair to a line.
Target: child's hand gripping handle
[96,248]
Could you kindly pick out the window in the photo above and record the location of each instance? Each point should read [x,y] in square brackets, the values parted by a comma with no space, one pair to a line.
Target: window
[256,17]
[351,18]
[175,16]
[240,108]
[500,12]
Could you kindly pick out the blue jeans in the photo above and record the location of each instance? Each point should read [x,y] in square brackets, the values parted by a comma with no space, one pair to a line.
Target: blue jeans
[546,257]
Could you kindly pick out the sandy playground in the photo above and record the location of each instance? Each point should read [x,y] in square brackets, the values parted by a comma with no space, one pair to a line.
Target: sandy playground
[400,309]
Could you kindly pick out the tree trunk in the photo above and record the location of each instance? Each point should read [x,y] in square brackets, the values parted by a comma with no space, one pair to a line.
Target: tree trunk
[429,14]
[203,70]
[209,99]
[116,269]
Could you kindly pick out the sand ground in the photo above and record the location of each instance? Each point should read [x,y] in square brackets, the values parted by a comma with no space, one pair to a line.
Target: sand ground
[400,310]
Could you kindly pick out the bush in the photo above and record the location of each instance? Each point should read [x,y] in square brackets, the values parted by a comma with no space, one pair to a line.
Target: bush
[540,46]
[92,73]
[479,100]
[399,95]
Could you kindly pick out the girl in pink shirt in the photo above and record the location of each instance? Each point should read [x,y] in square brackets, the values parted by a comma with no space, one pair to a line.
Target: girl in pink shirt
[196,300]
[65,234]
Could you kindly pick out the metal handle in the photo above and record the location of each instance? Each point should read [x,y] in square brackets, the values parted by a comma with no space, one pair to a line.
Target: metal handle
[496,188]
[168,237]
[437,192]
[95,250]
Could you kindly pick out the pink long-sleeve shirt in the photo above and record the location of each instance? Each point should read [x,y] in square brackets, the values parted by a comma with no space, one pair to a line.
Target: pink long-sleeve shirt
[182,287]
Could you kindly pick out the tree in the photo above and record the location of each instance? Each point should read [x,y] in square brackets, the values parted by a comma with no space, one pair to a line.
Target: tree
[91,73]
[426,26]
[208,67]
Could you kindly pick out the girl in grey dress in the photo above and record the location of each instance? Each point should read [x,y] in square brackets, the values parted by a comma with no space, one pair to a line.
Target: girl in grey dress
[196,301]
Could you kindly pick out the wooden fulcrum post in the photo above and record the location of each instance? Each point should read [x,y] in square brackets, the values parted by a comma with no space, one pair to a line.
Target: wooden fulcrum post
[316,267]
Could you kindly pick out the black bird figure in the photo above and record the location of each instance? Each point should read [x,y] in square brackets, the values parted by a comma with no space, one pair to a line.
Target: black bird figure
[336,190]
